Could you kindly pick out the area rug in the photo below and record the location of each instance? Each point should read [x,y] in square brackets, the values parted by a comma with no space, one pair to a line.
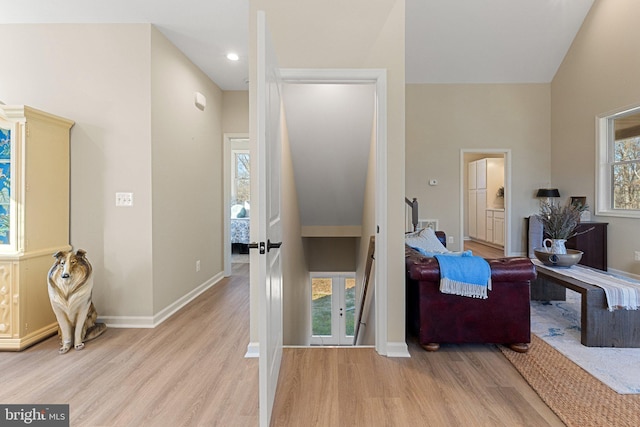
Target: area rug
[577,397]
[558,324]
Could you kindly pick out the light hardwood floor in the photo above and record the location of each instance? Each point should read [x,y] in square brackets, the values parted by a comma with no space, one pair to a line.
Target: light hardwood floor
[191,371]
[470,385]
[484,251]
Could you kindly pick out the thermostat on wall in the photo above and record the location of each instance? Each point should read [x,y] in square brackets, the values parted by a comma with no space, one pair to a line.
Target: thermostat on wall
[433,182]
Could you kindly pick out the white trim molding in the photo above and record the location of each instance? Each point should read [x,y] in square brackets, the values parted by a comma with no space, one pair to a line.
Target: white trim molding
[378,77]
[253,350]
[397,349]
[162,315]
[605,138]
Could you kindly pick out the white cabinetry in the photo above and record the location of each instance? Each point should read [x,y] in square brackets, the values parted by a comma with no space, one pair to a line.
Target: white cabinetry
[473,175]
[495,226]
[485,177]
[481,206]
[477,199]
[498,228]
[481,173]
[489,225]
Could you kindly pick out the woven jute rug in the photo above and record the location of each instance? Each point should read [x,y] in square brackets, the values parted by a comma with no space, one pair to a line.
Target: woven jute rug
[578,398]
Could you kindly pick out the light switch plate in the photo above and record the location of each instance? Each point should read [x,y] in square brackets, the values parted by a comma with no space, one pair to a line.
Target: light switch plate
[124,199]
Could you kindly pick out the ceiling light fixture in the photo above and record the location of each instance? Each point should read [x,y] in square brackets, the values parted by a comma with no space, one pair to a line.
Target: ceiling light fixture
[232,56]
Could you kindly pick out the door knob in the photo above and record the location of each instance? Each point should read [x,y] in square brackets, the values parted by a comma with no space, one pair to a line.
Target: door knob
[273,245]
[254,245]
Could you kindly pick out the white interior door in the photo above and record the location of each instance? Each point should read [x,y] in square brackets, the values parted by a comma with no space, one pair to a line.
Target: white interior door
[270,230]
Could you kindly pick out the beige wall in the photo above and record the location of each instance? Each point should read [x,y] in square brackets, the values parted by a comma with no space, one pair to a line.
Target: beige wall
[235,111]
[98,76]
[296,286]
[366,335]
[370,35]
[600,73]
[187,164]
[331,253]
[130,93]
[442,120]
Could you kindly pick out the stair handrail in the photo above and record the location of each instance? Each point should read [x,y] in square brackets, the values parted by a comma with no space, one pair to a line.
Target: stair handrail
[414,211]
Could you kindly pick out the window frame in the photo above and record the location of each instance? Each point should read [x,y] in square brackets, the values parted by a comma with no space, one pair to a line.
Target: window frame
[234,169]
[605,140]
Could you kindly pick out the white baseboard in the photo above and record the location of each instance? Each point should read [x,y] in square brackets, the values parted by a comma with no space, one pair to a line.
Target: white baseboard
[397,349]
[623,274]
[162,315]
[127,321]
[253,350]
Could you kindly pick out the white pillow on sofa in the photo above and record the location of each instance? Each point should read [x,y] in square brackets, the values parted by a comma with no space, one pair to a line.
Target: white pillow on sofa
[426,240]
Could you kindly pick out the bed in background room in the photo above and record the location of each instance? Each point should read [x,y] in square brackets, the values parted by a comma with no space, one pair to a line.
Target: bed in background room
[240,228]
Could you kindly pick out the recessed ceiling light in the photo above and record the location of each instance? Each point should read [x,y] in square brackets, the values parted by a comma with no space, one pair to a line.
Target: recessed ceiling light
[232,56]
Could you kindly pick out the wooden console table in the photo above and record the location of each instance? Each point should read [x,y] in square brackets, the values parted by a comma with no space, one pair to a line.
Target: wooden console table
[599,327]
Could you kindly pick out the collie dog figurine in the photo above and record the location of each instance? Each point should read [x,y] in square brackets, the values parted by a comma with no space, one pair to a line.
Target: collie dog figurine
[70,284]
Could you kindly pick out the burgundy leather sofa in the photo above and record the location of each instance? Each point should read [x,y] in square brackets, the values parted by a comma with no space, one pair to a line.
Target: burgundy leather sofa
[503,318]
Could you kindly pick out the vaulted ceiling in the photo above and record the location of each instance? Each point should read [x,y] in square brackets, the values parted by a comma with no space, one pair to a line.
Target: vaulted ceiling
[447,41]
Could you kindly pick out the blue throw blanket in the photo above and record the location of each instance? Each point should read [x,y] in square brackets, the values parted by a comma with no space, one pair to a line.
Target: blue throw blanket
[464,274]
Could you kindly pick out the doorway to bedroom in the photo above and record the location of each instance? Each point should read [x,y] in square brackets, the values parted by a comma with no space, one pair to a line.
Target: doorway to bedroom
[237,199]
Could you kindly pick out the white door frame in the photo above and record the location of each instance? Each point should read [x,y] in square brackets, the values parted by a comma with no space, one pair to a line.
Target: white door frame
[507,192]
[378,77]
[226,182]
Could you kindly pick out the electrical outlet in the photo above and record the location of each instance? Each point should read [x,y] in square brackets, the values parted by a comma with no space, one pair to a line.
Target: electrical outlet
[197,265]
[636,255]
[124,199]
[451,239]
